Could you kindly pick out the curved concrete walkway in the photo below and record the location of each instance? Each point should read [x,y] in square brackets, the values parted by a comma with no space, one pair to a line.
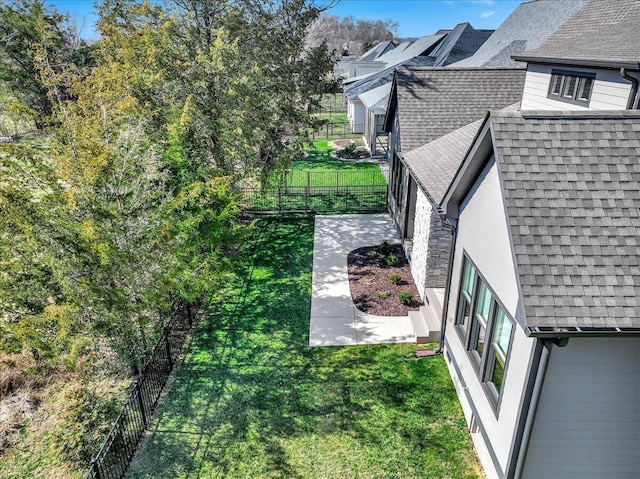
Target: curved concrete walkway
[334,319]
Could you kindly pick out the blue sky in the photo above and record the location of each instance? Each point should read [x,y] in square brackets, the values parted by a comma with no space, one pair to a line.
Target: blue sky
[416,17]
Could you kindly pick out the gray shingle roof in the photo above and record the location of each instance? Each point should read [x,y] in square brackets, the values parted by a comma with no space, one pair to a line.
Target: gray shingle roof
[462,42]
[432,102]
[602,31]
[353,90]
[530,24]
[435,164]
[572,187]
[376,51]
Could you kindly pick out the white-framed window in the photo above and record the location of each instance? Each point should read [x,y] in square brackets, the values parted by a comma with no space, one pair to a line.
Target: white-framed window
[484,328]
[571,87]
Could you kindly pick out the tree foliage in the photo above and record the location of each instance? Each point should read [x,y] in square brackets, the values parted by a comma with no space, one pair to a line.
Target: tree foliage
[350,35]
[131,203]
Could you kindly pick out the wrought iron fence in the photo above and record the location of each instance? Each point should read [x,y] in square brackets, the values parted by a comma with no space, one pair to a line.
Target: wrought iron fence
[316,199]
[117,450]
[337,130]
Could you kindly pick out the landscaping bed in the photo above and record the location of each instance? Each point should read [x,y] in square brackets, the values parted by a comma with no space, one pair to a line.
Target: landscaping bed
[380,281]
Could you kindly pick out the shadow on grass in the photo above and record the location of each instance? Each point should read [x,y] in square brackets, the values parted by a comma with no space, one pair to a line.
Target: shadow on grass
[252,400]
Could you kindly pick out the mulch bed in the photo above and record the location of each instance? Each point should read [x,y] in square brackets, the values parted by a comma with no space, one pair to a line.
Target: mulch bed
[371,290]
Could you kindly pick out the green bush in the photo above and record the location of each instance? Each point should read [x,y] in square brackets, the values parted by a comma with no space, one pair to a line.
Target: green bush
[392,260]
[383,294]
[406,298]
[372,254]
[395,278]
[384,248]
[350,149]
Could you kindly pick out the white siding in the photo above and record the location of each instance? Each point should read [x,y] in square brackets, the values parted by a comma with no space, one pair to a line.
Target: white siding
[610,91]
[588,420]
[357,116]
[483,234]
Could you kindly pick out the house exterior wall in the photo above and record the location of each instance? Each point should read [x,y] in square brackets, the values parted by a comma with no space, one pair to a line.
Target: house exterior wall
[355,114]
[363,68]
[372,127]
[588,419]
[483,235]
[431,245]
[610,91]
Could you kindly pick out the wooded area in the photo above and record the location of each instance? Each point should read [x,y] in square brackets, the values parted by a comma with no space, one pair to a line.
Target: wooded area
[126,202]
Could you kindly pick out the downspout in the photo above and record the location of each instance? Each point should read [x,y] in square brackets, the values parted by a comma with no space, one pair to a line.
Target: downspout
[633,97]
[535,401]
[447,287]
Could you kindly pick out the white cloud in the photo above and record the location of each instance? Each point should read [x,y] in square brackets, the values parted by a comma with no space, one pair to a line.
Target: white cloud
[487,14]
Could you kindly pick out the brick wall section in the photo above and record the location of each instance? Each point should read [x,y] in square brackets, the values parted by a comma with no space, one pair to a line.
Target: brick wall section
[431,245]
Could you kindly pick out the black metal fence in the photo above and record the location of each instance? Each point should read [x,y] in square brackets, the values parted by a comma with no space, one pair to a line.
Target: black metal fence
[337,130]
[316,199]
[117,450]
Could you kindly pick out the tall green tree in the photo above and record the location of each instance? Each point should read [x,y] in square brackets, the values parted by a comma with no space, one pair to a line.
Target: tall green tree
[25,26]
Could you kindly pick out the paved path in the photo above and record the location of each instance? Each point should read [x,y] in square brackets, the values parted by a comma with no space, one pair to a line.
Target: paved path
[334,319]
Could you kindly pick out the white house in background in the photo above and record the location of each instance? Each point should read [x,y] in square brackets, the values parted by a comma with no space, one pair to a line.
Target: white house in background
[371,93]
[366,63]
[541,323]
[403,53]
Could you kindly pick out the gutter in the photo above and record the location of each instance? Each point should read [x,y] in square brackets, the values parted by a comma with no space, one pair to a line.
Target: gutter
[447,290]
[633,97]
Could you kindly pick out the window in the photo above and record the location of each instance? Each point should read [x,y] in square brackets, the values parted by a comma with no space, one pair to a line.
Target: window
[571,87]
[497,356]
[487,332]
[468,276]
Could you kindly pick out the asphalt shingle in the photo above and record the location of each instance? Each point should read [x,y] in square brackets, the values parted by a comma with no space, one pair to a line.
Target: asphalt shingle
[530,24]
[435,164]
[572,189]
[432,102]
[603,30]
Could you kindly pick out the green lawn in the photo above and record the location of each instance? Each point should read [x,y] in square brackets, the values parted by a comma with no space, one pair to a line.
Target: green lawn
[324,170]
[251,400]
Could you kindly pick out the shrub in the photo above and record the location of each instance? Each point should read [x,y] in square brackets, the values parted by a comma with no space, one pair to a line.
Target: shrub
[395,278]
[372,254]
[392,260]
[350,149]
[384,248]
[383,294]
[406,298]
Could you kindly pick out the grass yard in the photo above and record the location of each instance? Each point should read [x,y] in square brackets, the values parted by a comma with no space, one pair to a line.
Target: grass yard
[251,400]
[319,168]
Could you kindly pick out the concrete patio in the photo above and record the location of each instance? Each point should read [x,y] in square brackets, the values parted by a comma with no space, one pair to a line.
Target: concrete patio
[335,321]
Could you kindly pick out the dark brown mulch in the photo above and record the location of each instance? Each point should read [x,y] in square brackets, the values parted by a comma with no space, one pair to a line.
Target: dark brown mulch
[369,281]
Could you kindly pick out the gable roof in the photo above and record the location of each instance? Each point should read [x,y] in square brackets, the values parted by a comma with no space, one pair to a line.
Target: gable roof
[382,77]
[602,32]
[408,52]
[528,26]
[571,183]
[431,102]
[462,42]
[376,51]
[435,164]
[376,98]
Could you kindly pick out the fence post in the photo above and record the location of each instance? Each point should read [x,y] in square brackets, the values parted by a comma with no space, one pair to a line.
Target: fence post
[307,191]
[141,403]
[95,469]
[168,347]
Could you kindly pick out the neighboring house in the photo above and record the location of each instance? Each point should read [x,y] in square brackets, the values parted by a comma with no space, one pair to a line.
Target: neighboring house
[461,42]
[528,26]
[414,53]
[591,63]
[366,63]
[542,333]
[424,105]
